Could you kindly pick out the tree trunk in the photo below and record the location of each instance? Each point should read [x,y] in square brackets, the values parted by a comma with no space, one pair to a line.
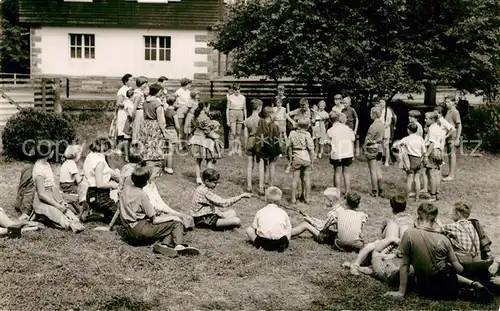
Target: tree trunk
[430,95]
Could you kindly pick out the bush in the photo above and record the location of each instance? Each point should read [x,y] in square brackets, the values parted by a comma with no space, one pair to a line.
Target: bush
[29,126]
[483,124]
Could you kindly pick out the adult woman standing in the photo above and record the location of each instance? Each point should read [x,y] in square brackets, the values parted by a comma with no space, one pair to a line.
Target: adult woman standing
[138,99]
[202,146]
[153,135]
[101,178]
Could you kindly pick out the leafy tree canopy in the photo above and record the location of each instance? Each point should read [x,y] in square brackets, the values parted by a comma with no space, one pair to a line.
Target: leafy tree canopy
[380,46]
[14,43]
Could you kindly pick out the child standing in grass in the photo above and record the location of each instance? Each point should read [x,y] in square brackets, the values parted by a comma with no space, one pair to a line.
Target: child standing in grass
[142,224]
[373,147]
[301,153]
[319,129]
[251,124]
[172,126]
[271,227]
[412,149]
[433,158]
[205,205]
[414,117]
[71,180]
[267,147]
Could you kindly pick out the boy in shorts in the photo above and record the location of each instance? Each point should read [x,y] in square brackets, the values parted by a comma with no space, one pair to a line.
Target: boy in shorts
[433,158]
[205,204]
[412,148]
[301,153]
[452,141]
[251,125]
[323,231]
[271,227]
[341,139]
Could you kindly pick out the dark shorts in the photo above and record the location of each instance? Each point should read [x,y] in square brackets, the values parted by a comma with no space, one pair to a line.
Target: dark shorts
[326,237]
[69,187]
[351,246]
[441,286]
[435,161]
[346,162]
[299,164]
[272,245]
[373,154]
[100,201]
[206,221]
[415,163]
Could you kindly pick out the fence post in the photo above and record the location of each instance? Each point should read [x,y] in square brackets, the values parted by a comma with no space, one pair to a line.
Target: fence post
[15,78]
[44,93]
[211,89]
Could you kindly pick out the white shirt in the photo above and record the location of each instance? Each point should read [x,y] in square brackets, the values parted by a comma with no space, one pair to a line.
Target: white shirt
[271,222]
[67,171]
[415,145]
[90,164]
[341,138]
[123,92]
[236,102]
[445,125]
[183,97]
[435,135]
[42,168]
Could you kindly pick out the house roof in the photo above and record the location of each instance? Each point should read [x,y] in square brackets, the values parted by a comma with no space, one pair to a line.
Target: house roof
[181,14]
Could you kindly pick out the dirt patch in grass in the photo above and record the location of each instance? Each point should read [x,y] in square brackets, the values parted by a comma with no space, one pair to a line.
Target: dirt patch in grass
[56,270]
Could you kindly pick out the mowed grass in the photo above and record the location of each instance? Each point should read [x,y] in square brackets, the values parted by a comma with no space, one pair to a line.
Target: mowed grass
[57,270]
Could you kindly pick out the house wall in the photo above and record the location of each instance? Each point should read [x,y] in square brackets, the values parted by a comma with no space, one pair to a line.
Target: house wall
[118,51]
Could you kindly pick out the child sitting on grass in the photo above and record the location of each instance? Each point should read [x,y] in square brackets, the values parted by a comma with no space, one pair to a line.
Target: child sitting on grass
[271,227]
[71,180]
[142,225]
[301,153]
[324,232]
[205,204]
[350,225]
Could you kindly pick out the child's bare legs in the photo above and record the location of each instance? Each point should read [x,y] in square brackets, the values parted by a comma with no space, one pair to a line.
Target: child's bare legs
[229,219]
[251,234]
[262,175]
[425,180]
[303,227]
[272,171]
[250,160]
[437,178]
[168,159]
[337,174]
[182,136]
[316,147]
[306,184]
[375,175]
[296,179]
[410,176]
[416,178]
[321,150]
[432,180]
[347,179]
[198,170]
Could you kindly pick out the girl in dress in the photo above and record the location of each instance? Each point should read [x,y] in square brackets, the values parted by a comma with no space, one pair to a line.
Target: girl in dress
[202,146]
[49,203]
[319,129]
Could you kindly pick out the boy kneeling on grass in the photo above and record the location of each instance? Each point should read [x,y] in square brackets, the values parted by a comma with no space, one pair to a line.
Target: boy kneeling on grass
[141,223]
[271,227]
[205,204]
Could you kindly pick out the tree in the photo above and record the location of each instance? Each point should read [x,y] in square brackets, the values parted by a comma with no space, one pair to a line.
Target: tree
[377,46]
[15,43]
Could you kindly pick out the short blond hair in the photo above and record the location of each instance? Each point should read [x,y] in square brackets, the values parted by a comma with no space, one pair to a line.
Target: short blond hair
[332,194]
[273,194]
[72,152]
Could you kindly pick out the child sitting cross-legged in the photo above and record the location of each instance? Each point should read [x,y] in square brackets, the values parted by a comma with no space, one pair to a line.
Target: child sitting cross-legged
[271,227]
[142,224]
[71,180]
[205,204]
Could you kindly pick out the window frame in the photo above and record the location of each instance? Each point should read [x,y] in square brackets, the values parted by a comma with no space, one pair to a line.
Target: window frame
[157,48]
[83,46]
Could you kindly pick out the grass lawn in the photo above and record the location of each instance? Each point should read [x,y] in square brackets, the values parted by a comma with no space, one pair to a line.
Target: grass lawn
[57,270]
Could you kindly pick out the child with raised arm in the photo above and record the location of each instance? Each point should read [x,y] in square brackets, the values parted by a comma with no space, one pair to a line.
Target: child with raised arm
[301,153]
[251,124]
[411,150]
[271,227]
[142,224]
[205,205]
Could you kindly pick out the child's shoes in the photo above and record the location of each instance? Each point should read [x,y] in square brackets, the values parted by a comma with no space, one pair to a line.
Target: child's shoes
[165,250]
[185,250]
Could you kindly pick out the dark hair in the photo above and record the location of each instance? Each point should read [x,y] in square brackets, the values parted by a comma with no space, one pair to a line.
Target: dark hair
[398,204]
[199,108]
[193,93]
[439,109]
[463,209]
[256,104]
[171,100]
[266,112]
[353,199]
[126,78]
[100,144]
[185,81]
[235,86]
[140,81]
[210,175]
[162,78]
[44,148]
[130,93]
[412,128]
[140,176]
[134,153]
[427,211]
[154,89]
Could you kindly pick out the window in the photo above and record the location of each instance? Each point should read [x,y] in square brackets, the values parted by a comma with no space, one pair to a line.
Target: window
[82,46]
[157,48]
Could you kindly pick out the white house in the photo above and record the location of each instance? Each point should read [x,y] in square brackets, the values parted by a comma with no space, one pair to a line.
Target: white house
[110,37]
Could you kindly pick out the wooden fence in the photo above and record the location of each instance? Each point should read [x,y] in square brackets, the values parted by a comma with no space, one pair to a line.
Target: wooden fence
[38,89]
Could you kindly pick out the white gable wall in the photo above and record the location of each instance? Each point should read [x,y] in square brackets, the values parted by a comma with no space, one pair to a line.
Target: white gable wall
[119,51]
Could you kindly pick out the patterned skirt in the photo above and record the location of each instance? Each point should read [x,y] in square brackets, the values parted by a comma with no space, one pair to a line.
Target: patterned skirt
[205,148]
[153,144]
